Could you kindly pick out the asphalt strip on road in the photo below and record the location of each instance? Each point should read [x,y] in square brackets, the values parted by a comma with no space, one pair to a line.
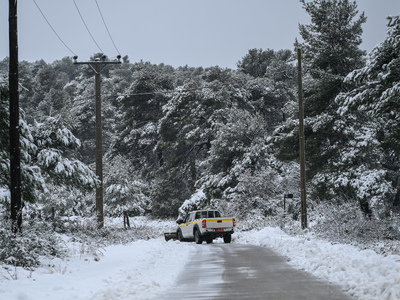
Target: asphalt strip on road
[236,271]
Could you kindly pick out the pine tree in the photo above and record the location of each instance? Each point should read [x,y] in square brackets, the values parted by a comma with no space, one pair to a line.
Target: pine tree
[376,93]
[31,180]
[125,193]
[4,138]
[140,110]
[271,83]
[330,52]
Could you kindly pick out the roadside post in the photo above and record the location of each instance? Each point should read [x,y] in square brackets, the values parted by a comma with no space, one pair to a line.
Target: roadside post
[288,196]
[283,219]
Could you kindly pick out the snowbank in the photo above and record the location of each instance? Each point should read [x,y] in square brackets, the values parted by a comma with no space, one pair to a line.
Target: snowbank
[140,270]
[362,273]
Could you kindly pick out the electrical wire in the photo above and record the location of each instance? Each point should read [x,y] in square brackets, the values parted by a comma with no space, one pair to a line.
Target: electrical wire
[127,95]
[53,28]
[83,20]
[105,25]
[152,93]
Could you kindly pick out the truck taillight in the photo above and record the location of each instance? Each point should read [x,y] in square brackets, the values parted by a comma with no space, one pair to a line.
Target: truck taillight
[203,224]
[234,222]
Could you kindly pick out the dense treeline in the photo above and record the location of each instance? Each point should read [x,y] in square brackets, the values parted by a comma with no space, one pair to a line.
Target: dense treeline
[193,137]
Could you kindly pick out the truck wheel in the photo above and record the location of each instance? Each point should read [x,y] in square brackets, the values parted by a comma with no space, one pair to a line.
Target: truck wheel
[180,236]
[227,238]
[197,237]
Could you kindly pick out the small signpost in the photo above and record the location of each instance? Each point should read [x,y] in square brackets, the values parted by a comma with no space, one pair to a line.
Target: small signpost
[286,196]
[283,219]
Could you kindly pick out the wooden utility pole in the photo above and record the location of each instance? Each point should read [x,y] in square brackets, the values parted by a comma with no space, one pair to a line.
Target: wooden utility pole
[97,66]
[15,156]
[302,146]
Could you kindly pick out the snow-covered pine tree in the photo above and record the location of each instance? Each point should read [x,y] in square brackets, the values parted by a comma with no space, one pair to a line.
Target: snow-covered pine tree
[330,52]
[187,129]
[31,179]
[376,92]
[125,193]
[57,157]
[239,155]
[270,84]
[4,139]
[140,108]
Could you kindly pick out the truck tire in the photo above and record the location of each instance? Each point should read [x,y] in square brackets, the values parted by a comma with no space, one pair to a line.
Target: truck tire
[180,236]
[227,238]
[197,237]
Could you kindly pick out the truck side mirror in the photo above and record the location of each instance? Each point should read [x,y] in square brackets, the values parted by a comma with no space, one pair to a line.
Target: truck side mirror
[180,221]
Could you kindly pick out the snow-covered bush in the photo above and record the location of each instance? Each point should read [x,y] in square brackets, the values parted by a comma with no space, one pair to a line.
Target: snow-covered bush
[345,222]
[24,249]
[257,221]
[85,230]
[61,201]
[125,193]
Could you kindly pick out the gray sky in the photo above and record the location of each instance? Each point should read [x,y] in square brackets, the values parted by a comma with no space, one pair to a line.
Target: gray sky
[175,32]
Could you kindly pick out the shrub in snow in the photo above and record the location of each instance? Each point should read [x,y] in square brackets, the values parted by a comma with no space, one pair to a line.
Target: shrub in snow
[125,193]
[85,232]
[345,222]
[256,220]
[25,249]
[63,201]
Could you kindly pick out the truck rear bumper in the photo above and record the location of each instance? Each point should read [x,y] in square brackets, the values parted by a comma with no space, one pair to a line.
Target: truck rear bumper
[215,234]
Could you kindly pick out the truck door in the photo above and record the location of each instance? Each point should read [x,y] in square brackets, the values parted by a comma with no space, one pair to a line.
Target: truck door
[186,227]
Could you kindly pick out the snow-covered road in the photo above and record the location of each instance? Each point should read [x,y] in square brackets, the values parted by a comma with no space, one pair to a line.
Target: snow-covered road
[146,269]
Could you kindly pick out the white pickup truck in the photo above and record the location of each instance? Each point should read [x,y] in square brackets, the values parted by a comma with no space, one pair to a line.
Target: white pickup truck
[205,225]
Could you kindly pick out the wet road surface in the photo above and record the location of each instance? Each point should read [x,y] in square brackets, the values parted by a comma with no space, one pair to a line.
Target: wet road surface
[235,271]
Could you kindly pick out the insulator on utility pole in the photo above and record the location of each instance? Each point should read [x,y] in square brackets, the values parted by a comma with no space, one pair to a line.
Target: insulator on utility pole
[97,66]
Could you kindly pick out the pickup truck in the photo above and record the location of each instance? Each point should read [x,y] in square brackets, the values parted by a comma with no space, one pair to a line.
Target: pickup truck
[204,225]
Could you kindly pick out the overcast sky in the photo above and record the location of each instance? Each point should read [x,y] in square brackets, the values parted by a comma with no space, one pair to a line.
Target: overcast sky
[175,32]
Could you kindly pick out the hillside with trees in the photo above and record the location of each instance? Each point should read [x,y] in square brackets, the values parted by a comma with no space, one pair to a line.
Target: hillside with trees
[178,139]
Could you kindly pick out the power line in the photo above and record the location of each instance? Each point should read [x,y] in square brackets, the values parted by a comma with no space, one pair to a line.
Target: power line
[87,27]
[105,25]
[53,28]
[152,93]
[172,91]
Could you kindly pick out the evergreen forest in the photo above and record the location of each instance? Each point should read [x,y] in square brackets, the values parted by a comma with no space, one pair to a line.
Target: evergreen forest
[176,139]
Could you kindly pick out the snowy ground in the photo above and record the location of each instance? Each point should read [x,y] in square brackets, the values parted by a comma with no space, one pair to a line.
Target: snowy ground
[145,269]
[139,270]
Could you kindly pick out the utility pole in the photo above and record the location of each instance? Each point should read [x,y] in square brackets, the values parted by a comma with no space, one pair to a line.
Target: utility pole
[97,66]
[302,147]
[15,156]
